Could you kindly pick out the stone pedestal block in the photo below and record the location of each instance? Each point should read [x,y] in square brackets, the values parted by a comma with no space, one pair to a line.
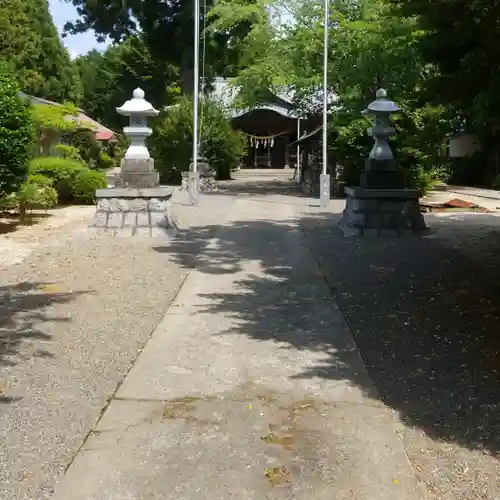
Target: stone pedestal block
[138,174]
[134,212]
[310,182]
[381,212]
[206,178]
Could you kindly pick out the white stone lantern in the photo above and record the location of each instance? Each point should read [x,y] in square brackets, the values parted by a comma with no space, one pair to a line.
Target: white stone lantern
[138,109]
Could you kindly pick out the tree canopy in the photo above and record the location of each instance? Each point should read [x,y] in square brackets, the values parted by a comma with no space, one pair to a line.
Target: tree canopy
[109,78]
[16,134]
[167,30]
[371,46]
[30,45]
[416,50]
[460,38]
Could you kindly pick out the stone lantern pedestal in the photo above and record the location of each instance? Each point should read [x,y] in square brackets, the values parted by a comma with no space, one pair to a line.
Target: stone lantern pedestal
[137,205]
[138,173]
[381,205]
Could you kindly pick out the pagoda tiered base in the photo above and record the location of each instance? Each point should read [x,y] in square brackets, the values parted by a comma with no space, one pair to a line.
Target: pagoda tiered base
[381,212]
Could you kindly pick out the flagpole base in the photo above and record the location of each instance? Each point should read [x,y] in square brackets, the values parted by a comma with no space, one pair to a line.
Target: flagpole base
[194,187]
[324,191]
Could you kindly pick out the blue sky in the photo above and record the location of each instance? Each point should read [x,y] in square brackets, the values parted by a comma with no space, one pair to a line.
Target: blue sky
[78,44]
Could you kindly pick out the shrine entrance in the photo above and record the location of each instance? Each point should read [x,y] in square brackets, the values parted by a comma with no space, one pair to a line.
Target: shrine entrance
[268,132]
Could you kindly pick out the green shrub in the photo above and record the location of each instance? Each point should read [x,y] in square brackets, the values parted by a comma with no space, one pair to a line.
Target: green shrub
[39,180]
[419,144]
[16,134]
[89,147]
[105,161]
[62,171]
[349,145]
[48,197]
[36,192]
[425,179]
[172,140]
[8,202]
[70,152]
[496,182]
[85,185]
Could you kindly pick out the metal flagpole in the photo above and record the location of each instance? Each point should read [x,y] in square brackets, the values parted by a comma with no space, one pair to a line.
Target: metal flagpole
[298,152]
[324,179]
[194,174]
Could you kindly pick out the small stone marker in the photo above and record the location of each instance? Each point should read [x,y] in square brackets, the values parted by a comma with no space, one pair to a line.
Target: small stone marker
[137,205]
[205,177]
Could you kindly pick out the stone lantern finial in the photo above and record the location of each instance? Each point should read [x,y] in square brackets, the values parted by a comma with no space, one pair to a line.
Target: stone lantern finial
[138,93]
[381,129]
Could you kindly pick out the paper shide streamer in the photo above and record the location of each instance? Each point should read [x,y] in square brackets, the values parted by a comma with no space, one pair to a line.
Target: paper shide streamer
[264,141]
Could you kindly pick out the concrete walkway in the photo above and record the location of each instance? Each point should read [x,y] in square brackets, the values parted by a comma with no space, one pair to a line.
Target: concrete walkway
[227,398]
[488,194]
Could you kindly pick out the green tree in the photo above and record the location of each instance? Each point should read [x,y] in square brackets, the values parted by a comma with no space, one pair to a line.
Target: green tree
[19,43]
[172,139]
[16,135]
[30,44]
[370,46]
[460,38]
[167,31]
[110,77]
[261,66]
[60,74]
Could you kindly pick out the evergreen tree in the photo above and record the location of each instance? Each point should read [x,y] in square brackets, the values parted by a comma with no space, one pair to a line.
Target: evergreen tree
[32,48]
[61,75]
[20,44]
[16,134]
[109,79]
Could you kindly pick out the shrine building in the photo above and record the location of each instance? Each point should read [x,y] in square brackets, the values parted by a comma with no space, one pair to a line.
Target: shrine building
[269,127]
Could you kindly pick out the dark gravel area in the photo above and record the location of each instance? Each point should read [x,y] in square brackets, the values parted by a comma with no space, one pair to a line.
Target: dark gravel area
[425,315]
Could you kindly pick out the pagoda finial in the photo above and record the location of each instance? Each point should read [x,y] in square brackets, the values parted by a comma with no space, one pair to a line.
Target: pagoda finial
[138,93]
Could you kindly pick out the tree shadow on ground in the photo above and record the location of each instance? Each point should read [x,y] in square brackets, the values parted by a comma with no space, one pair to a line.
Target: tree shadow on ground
[22,315]
[10,223]
[424,315]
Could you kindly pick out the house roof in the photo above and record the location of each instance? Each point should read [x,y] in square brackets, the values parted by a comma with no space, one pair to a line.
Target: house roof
[102,133]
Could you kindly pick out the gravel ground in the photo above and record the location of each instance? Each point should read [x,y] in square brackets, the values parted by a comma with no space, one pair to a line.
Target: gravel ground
[425,315]
[54,226]
[75,312]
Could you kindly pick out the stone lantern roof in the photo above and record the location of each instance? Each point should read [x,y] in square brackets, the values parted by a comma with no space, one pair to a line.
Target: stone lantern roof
[137,105]
[381,104]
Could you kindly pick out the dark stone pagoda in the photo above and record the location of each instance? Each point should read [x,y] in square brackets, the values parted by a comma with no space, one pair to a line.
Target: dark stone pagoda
[381,205]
